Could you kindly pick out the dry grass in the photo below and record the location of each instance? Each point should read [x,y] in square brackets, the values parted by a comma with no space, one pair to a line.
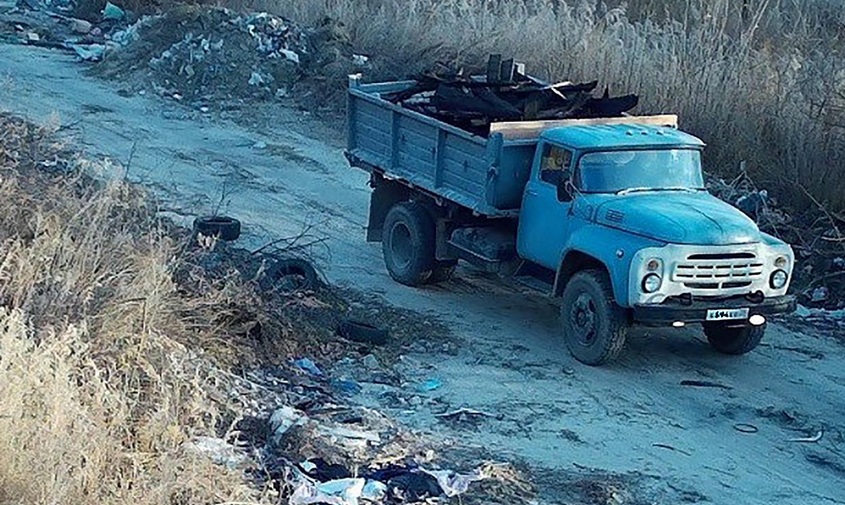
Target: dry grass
[99,389]
[760,81]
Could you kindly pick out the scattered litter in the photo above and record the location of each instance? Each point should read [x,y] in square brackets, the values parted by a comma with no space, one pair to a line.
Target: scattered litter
[255,79]
[348,387]
[309,366]
[814,313]
[463,412]
[360,60]
[746,428]
[292,56]
[349,436]
[414,487]
[838,263]
[671,448]
[218,450]
[820,294]
[370,362]
[430,385]
[91,52]
[818,436]
[260,145]
[335,492]
[80,26]
[204,110]
[453,483]
[704,384]
[321,470]
[285,418]
[374,490]
[33,37]
[112,12]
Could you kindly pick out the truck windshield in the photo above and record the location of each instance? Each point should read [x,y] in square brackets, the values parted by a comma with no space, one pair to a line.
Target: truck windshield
[657,169]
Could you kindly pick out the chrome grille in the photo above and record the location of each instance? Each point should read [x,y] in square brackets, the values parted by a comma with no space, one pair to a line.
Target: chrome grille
[718,271]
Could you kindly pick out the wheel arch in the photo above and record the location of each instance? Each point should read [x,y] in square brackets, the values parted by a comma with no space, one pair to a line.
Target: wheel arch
[576,259]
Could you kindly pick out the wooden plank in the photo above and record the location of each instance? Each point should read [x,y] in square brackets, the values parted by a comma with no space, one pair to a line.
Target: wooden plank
[513,130]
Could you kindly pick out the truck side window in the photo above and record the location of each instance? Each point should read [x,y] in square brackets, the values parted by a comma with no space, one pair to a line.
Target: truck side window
[553,163]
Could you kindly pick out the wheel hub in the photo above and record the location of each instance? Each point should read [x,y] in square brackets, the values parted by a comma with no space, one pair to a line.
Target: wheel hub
[583,318]
[401,244]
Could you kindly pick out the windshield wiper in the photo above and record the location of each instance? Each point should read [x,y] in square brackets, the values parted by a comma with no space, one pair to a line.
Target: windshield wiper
[640,190]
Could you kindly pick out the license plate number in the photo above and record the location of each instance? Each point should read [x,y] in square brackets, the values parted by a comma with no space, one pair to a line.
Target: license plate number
[726,314]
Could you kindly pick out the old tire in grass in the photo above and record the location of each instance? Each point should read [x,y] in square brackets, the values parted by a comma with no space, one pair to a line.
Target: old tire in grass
[408,243]
[594,326]
[734,340]
[223,227]
[365,333]
[289,275]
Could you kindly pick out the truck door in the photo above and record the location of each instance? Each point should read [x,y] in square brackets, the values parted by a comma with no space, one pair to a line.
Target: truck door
[544,219]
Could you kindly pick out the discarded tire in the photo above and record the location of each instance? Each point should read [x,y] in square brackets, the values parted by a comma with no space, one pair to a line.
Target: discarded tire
[223,227]
[290,275]
[362,332]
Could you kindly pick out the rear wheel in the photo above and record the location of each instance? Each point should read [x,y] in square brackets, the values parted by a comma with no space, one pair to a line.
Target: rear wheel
[594,326]
[408,244]
[734,340]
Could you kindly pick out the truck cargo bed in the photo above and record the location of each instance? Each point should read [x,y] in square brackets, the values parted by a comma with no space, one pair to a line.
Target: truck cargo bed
[486,175]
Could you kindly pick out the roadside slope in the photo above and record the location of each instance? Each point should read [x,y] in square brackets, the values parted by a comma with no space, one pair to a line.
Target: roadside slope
[633,418]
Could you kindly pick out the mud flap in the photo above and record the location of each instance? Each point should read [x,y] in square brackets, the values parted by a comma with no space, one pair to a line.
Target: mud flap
[385,195]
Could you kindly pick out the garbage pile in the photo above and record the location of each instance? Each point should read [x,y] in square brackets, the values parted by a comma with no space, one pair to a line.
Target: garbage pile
[199,53]
[504,93]
[192,52]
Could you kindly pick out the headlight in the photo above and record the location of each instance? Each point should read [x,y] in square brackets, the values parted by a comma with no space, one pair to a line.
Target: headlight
[651,283]
[653,265]
[778,279]
[781,262]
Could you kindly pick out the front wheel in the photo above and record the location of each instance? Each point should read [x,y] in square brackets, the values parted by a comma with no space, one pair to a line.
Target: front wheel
[594,326]
[734,340]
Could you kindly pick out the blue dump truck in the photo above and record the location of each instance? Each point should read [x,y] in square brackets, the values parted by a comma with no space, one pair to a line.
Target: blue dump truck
[609,215]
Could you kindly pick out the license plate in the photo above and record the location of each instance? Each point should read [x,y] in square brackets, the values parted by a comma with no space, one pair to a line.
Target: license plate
[726,314]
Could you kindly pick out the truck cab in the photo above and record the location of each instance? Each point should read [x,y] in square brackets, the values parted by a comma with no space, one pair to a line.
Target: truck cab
[621,214]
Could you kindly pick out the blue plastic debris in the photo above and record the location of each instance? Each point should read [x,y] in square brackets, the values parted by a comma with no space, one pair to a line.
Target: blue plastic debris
[113,12]
[309,366]
[346,386]
[430,385]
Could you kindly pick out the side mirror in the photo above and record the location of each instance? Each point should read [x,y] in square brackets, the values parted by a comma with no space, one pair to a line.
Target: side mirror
[564,187]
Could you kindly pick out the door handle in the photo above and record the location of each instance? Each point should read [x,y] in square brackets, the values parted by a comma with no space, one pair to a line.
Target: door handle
[531,192]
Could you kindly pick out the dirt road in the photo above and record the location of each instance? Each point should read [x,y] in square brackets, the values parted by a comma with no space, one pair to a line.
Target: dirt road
[634,419]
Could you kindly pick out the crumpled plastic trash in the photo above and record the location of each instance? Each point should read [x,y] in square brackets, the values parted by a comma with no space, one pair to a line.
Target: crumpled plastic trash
[333,492]
[285,418]
[292,56]
[820,294]
[218,450]
[453,483]
[91,52]
[112,12]
[309,366]
[430,385]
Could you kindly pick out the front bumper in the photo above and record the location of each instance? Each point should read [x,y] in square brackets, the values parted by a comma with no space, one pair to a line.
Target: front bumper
[695,311]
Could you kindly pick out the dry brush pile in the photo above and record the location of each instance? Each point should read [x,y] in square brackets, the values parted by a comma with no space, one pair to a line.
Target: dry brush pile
[100,386]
